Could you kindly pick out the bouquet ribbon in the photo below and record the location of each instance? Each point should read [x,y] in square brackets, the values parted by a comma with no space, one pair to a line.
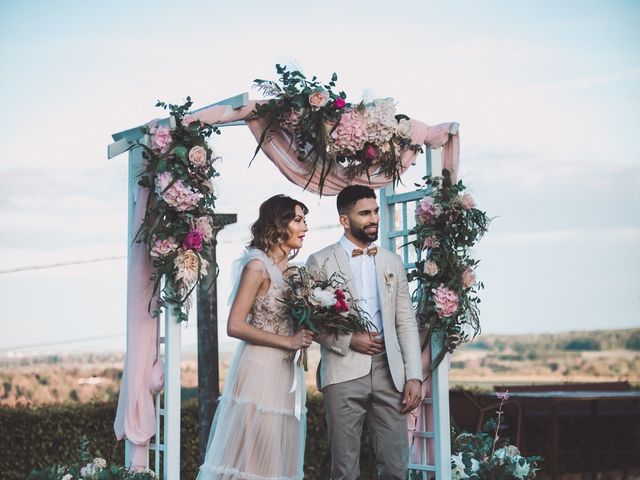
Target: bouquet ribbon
[297,388]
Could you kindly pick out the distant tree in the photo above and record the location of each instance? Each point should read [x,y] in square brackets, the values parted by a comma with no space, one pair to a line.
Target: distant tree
[583,344]
[633,342]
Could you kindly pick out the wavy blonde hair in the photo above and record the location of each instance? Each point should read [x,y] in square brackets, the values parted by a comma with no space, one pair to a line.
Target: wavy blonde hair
[271,227]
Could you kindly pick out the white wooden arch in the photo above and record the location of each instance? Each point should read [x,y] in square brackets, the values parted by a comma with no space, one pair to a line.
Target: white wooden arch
[165,445]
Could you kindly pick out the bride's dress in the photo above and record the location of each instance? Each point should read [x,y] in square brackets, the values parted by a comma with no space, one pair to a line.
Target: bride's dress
[255,434]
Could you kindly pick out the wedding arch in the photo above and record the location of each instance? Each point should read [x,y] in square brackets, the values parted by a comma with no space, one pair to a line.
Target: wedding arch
[149,403]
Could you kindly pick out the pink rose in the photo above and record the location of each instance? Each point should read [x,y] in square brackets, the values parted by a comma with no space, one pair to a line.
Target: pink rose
[430,242]
[193,241]
[160,138]
[203,225]
[370,152]
[446,301]
[198,156]
[341,306]
[318,99]
[468,278]
[427,210]
[468,202]
[339,103]
[431,268]
[163,247]
[179,195]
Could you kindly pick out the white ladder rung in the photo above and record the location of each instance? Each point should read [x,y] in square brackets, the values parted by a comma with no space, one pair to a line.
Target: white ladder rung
[422,468]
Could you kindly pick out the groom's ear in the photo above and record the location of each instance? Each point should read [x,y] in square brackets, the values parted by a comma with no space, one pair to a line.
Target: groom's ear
[344,221]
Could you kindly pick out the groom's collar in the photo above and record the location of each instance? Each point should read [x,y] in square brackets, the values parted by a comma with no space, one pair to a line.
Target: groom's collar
[349,246]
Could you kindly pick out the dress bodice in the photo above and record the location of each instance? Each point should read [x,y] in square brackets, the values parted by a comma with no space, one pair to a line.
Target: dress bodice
[267,312]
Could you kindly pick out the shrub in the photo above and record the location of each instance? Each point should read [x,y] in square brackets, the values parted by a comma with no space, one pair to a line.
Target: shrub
[38,437]
[583,344]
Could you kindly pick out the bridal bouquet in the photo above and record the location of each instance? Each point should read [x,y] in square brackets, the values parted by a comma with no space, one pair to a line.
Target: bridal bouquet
[448,225]
[322,305]
[327,130]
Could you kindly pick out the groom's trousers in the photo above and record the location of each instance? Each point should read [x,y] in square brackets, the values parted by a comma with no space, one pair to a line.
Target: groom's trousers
[373,400]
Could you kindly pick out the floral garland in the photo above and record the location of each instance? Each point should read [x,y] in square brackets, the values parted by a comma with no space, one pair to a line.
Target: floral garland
[448,224]
[178,219]
[327,130]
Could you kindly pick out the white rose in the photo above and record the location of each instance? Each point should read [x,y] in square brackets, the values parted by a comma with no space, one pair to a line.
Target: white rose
[198,156]
[404,128]
[68,476]
[521,468]
[457,467]
[323,298]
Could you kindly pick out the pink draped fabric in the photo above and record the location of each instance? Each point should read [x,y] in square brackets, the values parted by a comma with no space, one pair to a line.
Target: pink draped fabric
[414,419]
[135,419]
[282,153]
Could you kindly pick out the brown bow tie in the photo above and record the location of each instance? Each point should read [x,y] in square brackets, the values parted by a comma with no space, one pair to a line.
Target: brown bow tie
[371,251]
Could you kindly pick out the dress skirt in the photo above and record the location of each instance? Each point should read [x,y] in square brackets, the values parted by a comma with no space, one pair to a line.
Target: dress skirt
[255,434]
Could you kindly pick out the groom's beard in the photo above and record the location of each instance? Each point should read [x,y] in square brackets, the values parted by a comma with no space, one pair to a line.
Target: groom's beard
[362,235]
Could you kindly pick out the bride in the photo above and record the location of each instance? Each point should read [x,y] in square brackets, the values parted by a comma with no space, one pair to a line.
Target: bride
[258,432]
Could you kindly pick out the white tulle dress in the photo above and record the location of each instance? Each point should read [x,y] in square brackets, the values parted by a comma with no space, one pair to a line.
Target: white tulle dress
[256,433]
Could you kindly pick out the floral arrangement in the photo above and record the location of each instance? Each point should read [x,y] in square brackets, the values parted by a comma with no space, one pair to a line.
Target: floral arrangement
[448,225]
[177,224]
[88,469]
[322,305]
[328,130]
[487,457]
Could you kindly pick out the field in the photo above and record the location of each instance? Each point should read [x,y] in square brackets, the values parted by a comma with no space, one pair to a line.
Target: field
[589,356]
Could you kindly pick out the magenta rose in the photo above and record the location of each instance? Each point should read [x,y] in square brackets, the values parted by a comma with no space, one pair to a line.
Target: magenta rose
[370,152]
[446,301]
[339,103]
[193,241]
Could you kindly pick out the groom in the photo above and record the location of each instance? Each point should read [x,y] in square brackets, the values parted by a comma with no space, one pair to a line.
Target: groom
[373,379]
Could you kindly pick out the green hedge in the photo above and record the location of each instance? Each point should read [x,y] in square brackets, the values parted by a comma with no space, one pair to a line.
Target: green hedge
[42,436]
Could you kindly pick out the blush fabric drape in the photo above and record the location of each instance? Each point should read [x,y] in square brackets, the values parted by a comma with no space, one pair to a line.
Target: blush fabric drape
[135,417]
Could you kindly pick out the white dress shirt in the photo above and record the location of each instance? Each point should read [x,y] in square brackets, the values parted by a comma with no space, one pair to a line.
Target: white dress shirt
[363,268]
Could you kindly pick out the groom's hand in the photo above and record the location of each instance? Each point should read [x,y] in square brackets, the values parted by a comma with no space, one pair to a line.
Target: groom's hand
[367,343]
[412,395]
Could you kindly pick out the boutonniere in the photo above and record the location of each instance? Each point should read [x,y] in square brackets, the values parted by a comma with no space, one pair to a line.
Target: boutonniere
[388,278]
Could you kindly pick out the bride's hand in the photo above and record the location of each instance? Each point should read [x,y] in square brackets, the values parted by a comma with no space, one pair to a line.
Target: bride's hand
[301,339]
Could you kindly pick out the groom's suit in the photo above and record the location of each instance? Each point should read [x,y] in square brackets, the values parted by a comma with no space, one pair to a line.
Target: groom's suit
[358,387]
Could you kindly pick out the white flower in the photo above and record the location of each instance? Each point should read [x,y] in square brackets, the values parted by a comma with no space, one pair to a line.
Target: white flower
[504,453]
[521,468]
[100,462]
[68,476]
[323,298]
[404,128]
[88,472]
[457,469]
[186,264]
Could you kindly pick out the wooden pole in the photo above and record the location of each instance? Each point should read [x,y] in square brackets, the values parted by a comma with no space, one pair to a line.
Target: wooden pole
[208,374]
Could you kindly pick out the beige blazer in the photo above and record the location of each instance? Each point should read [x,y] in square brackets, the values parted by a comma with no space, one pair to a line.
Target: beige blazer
[338,362]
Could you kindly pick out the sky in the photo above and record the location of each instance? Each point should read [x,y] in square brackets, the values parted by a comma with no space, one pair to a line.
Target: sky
[547,95]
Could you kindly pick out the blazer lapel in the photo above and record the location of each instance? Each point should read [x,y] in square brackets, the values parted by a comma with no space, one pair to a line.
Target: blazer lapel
[381,280]
[344,267]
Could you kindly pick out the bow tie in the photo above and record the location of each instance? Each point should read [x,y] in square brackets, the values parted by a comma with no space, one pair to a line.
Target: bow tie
[371,251]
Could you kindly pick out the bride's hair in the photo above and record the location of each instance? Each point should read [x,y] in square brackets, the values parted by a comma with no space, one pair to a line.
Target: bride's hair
[270,229]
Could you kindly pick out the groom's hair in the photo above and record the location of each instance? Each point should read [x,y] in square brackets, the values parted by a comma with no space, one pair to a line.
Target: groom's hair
[350,195]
